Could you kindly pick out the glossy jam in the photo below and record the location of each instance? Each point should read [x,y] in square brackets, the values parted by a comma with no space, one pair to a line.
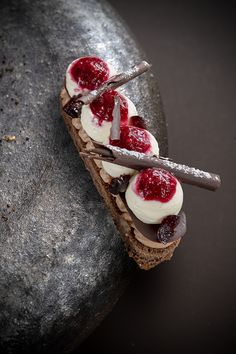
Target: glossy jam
[89,72]
[133,139]
[103,107]
[155,184]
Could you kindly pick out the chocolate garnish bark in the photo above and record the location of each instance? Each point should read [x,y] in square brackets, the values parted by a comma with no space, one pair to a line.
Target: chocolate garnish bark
[73,107]
[139,161]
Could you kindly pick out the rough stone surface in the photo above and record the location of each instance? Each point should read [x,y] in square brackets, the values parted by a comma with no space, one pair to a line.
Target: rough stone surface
[62,262]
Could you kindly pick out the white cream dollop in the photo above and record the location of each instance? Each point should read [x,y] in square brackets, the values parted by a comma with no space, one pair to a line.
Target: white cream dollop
[152,211]
[73,88]
[101,133]
[116,171]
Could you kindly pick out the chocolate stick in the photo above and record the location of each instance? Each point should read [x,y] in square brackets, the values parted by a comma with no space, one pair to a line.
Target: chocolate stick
[115,127]
[97,157]
[75,103]
[139,161]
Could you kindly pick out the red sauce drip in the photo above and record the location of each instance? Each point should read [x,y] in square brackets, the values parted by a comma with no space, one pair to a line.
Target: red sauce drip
[103,107]
[89,72]
[133,139]
[156,184]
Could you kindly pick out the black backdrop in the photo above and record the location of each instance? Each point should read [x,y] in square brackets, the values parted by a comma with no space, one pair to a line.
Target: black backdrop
[189,304]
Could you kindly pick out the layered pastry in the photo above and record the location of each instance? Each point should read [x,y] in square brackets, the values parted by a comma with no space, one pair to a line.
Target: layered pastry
[142,191]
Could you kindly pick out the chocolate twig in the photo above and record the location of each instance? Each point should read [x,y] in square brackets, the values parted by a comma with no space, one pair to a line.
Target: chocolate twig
[73,107]
[139,161]
[115,127]
[96,157]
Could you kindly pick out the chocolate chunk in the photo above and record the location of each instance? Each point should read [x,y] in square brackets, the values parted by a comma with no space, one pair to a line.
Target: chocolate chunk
[119,184]
[73,107]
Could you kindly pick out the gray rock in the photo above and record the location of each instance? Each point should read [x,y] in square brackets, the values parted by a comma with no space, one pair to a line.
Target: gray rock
[62,262]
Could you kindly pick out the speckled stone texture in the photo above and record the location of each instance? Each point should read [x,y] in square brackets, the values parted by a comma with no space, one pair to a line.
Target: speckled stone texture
[62,262]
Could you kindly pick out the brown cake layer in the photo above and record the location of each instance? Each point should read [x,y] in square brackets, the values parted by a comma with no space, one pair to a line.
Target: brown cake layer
[146,257]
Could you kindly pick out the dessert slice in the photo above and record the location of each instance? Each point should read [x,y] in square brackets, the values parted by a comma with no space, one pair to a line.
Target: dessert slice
[146,208]
[146,257]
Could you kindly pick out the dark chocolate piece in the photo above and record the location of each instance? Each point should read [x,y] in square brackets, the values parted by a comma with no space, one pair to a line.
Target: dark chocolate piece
[115,127]
[139,161]
[113,83]
[119,184]
[73,107]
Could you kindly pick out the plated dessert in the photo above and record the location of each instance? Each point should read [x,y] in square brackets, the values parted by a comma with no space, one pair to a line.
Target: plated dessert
[142,190]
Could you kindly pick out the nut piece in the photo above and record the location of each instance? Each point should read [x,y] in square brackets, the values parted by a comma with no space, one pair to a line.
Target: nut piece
[84,136]
[76,123]
[98,163]
[127,217]
[89,145]
[105,176]
[120,204]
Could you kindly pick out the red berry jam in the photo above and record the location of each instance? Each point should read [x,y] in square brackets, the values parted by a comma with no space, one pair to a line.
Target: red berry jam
[103,107]
[155,184]
[133,139]
[137,121]
[89,72]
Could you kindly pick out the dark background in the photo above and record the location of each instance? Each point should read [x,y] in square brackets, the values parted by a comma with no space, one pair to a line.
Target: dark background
[189,304]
